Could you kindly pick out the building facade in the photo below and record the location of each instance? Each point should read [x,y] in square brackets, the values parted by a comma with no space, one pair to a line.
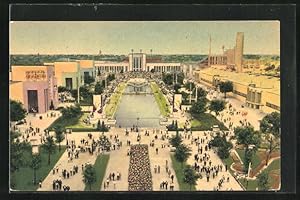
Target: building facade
[35,87]
[68,74]
[231,58]
[257,92]
[137,62]
[87,69]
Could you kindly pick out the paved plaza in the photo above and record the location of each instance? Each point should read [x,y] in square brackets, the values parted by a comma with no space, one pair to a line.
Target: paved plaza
[158,145]
[119,162]
[119,158]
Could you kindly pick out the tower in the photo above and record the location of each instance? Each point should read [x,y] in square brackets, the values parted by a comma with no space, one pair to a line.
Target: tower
[209,51]
[238,53]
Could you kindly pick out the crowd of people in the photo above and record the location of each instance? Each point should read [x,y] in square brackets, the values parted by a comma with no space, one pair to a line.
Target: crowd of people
[229,113]
[203,164]
[139,177]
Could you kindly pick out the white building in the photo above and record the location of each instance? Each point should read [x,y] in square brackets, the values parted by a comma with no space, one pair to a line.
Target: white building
[137,62]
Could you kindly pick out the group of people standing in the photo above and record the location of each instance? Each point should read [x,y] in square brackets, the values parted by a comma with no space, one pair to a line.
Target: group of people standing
[139,176]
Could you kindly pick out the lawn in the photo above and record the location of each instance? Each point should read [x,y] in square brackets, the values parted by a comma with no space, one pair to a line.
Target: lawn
[80,123]
[228,161]
[204,122]
[24,176]
[179,174]
[64,122]
[255,159]
[100,167]
[76,124]
[275,165]
[272,169]
[160,100]
[252,184]
[114,100]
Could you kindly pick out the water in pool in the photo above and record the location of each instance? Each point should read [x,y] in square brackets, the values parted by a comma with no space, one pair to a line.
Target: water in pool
[137,109]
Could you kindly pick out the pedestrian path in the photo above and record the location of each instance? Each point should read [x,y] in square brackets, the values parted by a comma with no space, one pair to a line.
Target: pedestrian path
[74,182]
[160,160]
[119,161]
[202,184]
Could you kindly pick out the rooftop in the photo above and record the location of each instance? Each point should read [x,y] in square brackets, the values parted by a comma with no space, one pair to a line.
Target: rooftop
[268,83]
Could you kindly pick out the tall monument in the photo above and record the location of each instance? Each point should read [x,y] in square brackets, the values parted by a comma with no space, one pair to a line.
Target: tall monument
[209,51]
[239,48]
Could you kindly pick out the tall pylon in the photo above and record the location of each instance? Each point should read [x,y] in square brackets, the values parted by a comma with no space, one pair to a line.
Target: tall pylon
[209,51]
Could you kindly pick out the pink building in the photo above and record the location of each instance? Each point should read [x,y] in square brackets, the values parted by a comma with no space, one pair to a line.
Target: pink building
[35,87]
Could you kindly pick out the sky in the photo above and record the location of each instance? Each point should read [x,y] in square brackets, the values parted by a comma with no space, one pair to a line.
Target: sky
[163,37]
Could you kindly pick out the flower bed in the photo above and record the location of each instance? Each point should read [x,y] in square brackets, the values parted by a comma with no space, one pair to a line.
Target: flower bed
[139,176]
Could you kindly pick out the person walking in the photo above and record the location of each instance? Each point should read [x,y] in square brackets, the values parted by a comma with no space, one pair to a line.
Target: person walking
[172,178]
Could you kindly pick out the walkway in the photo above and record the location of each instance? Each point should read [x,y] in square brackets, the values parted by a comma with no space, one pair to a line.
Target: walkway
[202,184]
[119,161]
[75,182]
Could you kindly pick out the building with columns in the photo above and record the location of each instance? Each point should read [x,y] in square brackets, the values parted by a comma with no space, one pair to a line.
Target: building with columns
[137,62]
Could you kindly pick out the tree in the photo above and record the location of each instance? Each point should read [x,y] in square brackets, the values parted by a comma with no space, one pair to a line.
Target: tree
[189,86]
[98,88]
[167,78]
[89,175]
[180,78]
[182,153]
[98,125]
[248,137]
[176,88]
[271,123]
[270,127]
[225,87]
[184,95]
[217,106]
[104,142]
[35,165]
[101,126]
[49,146]
[175,140]
[190,177]
[17,112]
[201,93]
[16,152]
[89,79]
[71,112]
[263,181]
[224,150]
[111,77]
[62,89]
[199,106]
[222,145]
[84,93]
[59,135]
[103,83]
